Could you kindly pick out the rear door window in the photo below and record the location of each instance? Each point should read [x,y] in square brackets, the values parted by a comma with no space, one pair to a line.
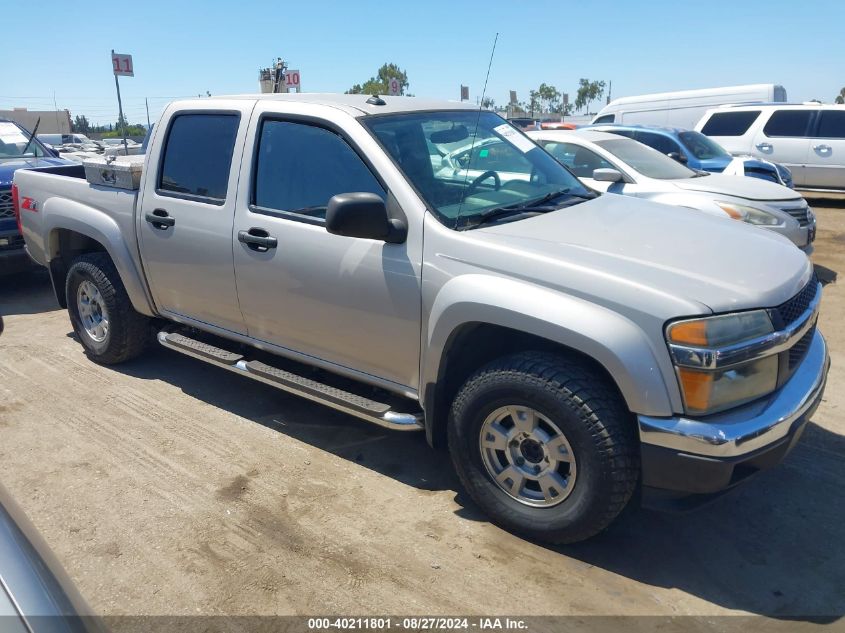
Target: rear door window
[198,156]
[662,144]
[831,124]
[789,123]
[730,123]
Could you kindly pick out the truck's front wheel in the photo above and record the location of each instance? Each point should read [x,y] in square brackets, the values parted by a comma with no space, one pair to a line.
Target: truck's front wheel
[545,446]
[101,313]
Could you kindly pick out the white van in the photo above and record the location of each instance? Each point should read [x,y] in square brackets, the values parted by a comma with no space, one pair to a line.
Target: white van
[809,138]
[683,109]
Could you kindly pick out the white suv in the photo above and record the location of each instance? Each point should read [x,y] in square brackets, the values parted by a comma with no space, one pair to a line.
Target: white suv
[807,138]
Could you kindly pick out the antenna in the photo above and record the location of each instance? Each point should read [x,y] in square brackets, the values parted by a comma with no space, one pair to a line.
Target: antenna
[475,131]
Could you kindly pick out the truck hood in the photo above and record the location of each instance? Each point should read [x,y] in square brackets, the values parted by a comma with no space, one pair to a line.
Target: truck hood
[748,188]
[8,166]
[621,246]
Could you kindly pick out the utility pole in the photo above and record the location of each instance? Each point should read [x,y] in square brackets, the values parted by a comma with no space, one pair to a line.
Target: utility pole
[120,110]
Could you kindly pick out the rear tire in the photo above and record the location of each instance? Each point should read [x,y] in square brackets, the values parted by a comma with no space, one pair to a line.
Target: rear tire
[556,435]
[105,322]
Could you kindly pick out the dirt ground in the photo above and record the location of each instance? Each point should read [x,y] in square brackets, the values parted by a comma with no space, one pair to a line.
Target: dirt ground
[166,486]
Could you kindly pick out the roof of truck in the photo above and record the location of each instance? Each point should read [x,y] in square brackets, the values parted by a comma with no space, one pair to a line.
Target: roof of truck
[356,105]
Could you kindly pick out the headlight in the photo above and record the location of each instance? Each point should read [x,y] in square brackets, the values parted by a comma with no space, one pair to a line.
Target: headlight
[752,215]
[698,344]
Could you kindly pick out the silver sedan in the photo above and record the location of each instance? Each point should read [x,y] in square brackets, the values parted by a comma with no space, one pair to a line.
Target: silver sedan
[614,164]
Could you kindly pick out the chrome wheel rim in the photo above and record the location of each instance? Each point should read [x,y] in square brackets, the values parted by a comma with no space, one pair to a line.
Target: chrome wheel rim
[527,456]
[92,311]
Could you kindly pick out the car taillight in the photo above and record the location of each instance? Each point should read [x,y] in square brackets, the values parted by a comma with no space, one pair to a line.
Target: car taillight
[16,205]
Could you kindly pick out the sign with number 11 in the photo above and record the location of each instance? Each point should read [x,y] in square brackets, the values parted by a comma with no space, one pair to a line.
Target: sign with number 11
[122,65]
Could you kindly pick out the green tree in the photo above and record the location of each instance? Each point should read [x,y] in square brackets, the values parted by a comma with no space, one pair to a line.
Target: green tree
[488,103]
[379,83]
[549,97]
[840,98]
[588,91]
[81,124]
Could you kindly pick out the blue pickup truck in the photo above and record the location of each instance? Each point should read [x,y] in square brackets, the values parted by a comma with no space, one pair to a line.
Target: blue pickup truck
[17,151]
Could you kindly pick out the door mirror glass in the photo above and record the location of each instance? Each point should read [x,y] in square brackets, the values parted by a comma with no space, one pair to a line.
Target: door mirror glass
[363,215]
[607,175]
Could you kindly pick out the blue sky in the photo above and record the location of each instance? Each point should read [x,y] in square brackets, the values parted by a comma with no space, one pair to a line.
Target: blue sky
[183,48]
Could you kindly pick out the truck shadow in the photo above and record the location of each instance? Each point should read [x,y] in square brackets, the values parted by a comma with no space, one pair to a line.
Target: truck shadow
[28,292]
[771,548]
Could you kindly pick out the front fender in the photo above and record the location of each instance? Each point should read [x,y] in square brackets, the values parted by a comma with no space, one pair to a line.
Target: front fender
[73,216]
[614,341]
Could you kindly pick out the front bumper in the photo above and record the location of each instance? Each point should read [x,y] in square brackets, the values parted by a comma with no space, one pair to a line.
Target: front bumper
[688,459]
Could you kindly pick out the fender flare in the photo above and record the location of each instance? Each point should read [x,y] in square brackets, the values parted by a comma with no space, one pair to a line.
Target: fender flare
[73,216]
[615,342]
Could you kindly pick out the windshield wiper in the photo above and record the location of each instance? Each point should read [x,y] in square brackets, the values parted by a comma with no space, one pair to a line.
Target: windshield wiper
[31,136]
[538,205]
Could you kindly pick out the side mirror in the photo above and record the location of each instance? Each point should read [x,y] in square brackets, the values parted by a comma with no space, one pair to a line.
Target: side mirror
[607,175]
[677,156]
[363,214]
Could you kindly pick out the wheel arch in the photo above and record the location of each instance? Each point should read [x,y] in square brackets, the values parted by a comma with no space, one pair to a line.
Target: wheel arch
[466,334]
[68,237]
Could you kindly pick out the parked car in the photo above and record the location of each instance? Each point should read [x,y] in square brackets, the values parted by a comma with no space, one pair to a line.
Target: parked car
[616,164]
[697,151]
[567,347]
[685,107]
[17,151]
[808,138]
[36,595]
[57,140]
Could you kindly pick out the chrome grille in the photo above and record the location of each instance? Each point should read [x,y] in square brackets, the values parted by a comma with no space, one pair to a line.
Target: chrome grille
[6,209]
[789,311]
[799,213]
[799,350]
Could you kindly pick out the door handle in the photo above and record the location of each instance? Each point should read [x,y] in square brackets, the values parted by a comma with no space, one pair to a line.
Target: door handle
[822,148]
[257,239]
[160,219]
[764,147]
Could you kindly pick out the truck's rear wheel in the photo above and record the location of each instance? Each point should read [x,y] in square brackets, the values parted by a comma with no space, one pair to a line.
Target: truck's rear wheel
[545,446]
[100,311]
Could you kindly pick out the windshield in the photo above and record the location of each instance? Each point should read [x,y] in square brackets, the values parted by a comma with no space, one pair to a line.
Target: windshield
[647,161]
[13,141]
[461,174]
[702,147]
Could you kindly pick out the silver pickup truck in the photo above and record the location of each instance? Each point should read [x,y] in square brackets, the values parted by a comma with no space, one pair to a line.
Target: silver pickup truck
[569,348]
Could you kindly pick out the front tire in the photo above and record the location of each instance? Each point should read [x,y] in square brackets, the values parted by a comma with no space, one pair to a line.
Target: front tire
[101,313]
[545,446]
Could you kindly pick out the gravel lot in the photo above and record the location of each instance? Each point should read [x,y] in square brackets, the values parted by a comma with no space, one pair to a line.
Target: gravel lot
[166,486]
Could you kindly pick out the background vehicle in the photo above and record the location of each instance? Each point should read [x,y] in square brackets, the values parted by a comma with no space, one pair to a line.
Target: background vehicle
[808,138]
[615,164]
[527,323]
[697,151]
[14,155]
[36,594]
[683,108]
[57,140]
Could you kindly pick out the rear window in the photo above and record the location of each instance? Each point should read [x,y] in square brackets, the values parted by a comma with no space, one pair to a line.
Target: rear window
[730,123]
[198,155]
[831,124]
[788,123]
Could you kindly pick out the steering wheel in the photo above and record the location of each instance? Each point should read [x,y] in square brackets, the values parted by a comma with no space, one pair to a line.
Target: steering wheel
[487,174]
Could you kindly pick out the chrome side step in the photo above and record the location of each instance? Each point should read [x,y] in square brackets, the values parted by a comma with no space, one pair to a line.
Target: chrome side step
[370,410]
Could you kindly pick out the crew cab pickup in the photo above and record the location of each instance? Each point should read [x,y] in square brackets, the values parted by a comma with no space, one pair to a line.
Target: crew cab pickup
[567,347]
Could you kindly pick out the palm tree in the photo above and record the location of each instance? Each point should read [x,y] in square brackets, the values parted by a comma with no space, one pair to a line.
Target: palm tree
[840,98]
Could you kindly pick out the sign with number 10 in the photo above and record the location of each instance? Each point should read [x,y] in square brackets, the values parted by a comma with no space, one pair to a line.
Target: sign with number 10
[122,65]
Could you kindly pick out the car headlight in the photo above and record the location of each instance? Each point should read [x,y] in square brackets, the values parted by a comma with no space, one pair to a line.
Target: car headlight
[752,215]
[697,346]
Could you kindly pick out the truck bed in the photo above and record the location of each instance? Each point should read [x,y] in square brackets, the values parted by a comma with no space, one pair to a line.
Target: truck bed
[63,192]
